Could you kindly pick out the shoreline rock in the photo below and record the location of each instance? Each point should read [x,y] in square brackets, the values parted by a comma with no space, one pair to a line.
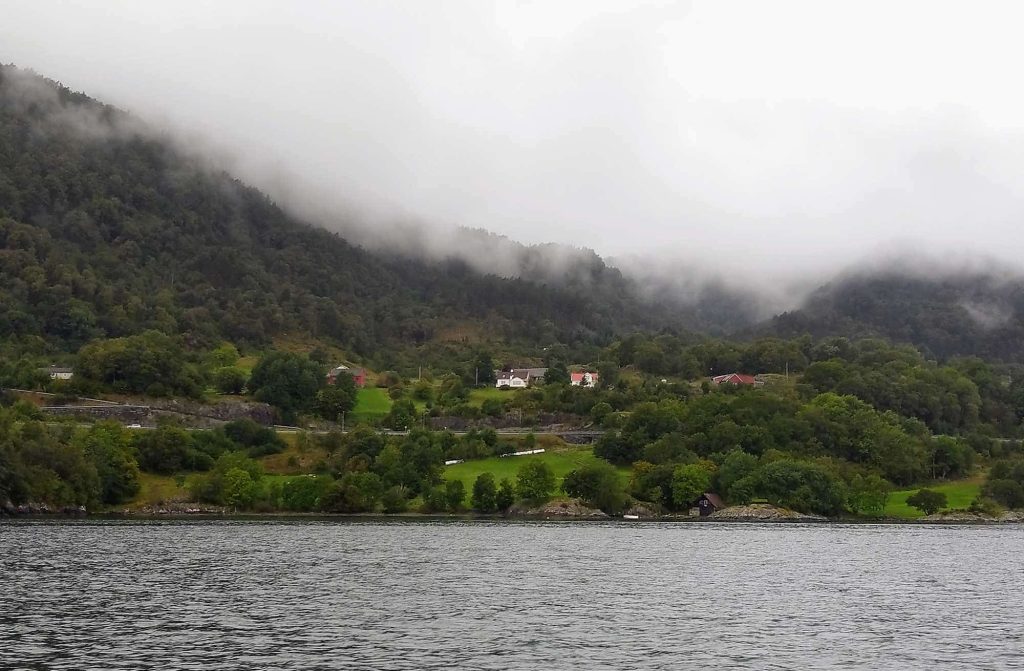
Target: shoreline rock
[563,508]
[762,512]
[969,517]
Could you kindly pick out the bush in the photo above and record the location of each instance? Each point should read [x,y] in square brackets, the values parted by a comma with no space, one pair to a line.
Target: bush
[395,499]
[535,481]
[454,494]
[230,380]
[506,495]
[257,439]
[803,486]
[597,485]
[304,493]
[927,501]
[485,494]
[985,506]
[165,450]
[354,493]
[1007,492]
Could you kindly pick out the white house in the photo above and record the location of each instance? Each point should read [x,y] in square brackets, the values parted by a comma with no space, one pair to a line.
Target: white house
[519,378]
[60,373]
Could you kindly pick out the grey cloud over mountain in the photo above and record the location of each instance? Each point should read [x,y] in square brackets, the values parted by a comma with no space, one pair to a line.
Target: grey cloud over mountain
[760,143]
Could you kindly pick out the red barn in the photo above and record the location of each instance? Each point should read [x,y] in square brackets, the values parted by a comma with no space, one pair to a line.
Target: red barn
[358,375]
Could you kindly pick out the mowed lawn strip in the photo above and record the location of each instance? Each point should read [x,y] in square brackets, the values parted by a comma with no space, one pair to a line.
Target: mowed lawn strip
[371,403]
[959,494]
[561,460]
[478,396]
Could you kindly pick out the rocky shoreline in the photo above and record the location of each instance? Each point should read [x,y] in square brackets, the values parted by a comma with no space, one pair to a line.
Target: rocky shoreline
[559,509]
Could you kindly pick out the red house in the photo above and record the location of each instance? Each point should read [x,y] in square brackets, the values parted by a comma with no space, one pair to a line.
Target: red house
[358,375]
[735,378]
[584,379]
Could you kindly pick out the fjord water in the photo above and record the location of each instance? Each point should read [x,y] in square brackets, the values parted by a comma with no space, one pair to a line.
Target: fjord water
[493,595]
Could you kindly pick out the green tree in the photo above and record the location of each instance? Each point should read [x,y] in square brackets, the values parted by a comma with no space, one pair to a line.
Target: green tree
[304,493]
[557,374]
[927,501]
[689,482]
[798,485]
[240,489]
[598,485]
[869,495]
[600,411]
[230,380]
[109,446]
[151,362]
[354,493]
[535,481]
[258,440]
[506,495]
[485,493]
[166,449]
[1006,492]
[454,495]
[736,466]
[225,355]
[395,499]
[402,415]
[287,381]
[335,399]
[483,368]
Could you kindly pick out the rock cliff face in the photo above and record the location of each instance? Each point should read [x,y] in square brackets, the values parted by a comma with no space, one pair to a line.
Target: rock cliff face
[762,512]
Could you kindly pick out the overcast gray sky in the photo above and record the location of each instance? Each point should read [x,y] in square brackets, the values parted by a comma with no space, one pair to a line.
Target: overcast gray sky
[755,136]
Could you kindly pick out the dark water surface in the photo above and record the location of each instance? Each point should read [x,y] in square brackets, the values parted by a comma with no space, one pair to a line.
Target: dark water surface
[482,595]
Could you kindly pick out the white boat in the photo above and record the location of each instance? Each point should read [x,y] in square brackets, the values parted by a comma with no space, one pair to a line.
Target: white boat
[630,517]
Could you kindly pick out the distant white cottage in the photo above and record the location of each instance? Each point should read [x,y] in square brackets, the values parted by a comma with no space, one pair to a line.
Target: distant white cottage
[60,372]
[518,378]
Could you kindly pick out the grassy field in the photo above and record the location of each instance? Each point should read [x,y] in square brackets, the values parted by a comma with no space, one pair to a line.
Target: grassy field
[156,489]
[478,396]
[371,403]
[561,460]
[959,494]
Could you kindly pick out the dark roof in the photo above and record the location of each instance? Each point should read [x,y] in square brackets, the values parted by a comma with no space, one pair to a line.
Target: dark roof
[735,378]
[60,369]
[715,500]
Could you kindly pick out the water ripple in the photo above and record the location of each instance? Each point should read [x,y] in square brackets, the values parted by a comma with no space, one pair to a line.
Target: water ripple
[486,595]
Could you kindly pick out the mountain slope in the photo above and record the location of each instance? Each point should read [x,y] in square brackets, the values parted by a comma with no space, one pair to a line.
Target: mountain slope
[957,315]
[108,229]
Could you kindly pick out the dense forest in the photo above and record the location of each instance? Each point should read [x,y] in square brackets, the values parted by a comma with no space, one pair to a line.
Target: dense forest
[944,315]
[151,273]
[107,229]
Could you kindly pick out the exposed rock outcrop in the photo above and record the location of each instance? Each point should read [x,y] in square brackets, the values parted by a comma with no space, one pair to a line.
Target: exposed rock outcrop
[562,508]
[762,512]
[958,516]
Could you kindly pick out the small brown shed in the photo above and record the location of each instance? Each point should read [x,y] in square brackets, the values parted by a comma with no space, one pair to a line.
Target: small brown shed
[709,503]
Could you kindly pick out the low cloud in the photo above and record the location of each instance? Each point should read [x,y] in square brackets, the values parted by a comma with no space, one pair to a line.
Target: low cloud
[700,147]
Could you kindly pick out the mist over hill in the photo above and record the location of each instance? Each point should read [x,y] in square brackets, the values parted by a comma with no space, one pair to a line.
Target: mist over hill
[945,314]
[108,227]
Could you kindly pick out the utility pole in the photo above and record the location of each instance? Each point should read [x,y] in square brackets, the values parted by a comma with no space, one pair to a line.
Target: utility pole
[343,421]
[476,381]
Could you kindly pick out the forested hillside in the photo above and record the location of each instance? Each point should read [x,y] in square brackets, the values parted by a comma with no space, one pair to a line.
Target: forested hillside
[108,230]
[944,316]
